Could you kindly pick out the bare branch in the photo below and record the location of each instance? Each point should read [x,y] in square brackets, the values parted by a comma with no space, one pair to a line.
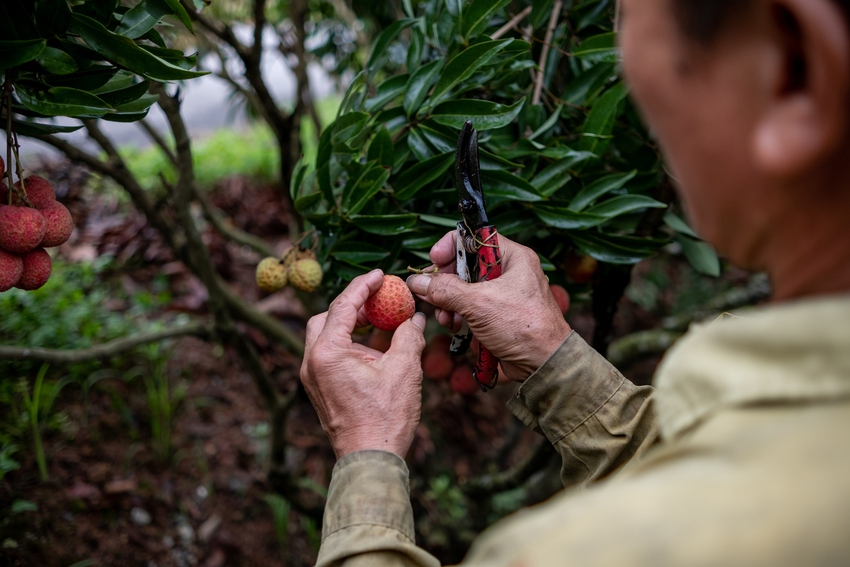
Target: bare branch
[512,23]
[636,346]
[104,350]
[216,218]
[158,140]
[544,52]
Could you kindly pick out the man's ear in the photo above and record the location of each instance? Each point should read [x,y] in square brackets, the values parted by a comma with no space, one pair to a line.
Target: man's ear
[806,119]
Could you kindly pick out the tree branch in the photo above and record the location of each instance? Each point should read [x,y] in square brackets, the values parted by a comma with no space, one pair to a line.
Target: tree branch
[544,52]
[216,218]
[104,350]
[512,478]
[636,346]
[158,140]
[512,23]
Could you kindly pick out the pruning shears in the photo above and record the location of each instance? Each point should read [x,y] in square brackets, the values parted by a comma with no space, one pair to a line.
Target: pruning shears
[478,256]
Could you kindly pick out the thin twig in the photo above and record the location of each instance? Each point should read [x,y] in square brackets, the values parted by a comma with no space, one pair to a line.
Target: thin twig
[512,23]
[104,350]
[544,53]
[158,140]
[215,217]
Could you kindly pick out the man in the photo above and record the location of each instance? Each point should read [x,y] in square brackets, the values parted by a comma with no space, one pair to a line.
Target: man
[740,455]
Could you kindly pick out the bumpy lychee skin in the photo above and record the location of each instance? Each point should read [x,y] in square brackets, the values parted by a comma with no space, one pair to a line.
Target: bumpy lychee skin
[271,275]
[11,268]
[21,229]
[391,305]
[39,192]
[37,268]
[306,274]
[58,224]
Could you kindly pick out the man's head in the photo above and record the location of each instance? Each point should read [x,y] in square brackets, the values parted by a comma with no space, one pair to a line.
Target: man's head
[749,101]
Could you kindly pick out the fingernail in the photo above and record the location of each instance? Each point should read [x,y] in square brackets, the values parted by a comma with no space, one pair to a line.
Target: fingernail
[418,283]
[419,320]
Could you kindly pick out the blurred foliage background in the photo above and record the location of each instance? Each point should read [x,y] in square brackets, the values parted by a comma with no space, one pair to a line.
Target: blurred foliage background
[150,408]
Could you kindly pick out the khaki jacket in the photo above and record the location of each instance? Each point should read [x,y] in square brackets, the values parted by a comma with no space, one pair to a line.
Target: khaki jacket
[740,456]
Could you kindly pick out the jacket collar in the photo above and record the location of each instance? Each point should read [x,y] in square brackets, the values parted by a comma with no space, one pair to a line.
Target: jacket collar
[791,352]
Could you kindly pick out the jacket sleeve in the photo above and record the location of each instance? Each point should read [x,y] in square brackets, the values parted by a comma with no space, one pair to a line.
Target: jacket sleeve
[595,418]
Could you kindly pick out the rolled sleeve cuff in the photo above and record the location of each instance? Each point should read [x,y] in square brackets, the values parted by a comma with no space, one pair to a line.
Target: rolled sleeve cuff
[568,389]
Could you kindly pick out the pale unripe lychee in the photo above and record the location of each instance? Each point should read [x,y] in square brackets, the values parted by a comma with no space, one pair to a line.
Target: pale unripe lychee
[39,192]
[271,275]
[11,268]
[305,274]
[58,224]
[37,268]
[21,228]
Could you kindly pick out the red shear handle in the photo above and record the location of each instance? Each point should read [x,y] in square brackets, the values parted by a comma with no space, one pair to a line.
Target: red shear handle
[489,268]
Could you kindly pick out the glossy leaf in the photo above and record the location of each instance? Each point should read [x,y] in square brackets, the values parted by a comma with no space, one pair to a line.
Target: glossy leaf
[57,62]
[62,101]
[418,146]
[409,182]
[463,65]
[381,45]
[381,149]
[599,49]
[387,92]
[122,51]
[623,204]
[564,218]
[607,251]
[419,84]
[348,126]
[589,84]
[600,187]
[550,122]
[700,255]
[679,225]
[478,14]
[138,105]
[307,202]
[142,17]
[447,222]
[18,52]
[500,183]
[34,129]
[485,115]
[385,225]
[178,10]
[556,175]
[125,95]
[359,190]
[414,51]
[600,122]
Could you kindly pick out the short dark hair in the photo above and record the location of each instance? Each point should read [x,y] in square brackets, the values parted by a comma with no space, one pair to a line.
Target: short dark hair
[702,20]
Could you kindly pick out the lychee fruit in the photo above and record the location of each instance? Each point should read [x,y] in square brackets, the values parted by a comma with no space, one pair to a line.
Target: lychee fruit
[391,305]
[463,381]
[580,269]
[562,298]
[11,268]
[379,340]
[271,275]
[59,224]
[21,228]
[437,365]
[306,274]
[37,267]
[39,192]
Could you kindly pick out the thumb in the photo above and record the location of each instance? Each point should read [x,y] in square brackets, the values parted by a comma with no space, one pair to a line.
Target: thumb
[409,339]
[446,291]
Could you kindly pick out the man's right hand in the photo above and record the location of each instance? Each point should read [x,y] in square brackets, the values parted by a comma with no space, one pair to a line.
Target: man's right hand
[515,316]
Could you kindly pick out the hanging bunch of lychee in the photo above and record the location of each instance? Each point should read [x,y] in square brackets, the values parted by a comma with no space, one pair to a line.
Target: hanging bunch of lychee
[296,267]
[31,219]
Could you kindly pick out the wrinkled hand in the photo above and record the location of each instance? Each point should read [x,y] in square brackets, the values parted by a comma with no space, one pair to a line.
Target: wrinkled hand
[515,316]
[365,399]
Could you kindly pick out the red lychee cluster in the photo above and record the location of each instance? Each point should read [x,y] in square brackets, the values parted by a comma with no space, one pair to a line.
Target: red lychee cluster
[439,365]
[32,222]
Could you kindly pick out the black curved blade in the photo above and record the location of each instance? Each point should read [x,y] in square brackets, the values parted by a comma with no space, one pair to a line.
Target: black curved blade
[468,179]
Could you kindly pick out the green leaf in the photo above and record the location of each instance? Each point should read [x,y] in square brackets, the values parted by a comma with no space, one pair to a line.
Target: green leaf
[56,62]
[418,86]
[414,51]
[440,141]
[485,115]
[122,51]
[540,12]
[418,146]
[18,52]
[600,187]
[178,10]
[478,14]
[493,162]
[126,95]
[439,221]
[385,225]
[348,126]
[422,242]
[305,203]
[91,79]
[700,255]
[600,120]
[20,506]
[409,182]
[142,17]
[358,252]
[387,92]
[500,183]
[381,149]
[550,122]
[62,101]
[359,190]
[566,219]
[599,49]
[35,129]
[679,225]
[139,105]
[299,171]
[173,56]
[125,116]
[623,204]
[52,17]
[463,65]
[556,175]
[584,88]
[605,250]
[382,43]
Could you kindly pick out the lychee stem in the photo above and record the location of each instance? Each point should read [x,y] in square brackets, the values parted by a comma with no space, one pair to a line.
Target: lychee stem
[7,98]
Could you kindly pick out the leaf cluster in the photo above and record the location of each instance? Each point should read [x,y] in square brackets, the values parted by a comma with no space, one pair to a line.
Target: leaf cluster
[87,59]
[574,170]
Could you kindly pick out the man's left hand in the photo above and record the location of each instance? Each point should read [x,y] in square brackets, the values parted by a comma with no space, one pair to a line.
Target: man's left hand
[365,399]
